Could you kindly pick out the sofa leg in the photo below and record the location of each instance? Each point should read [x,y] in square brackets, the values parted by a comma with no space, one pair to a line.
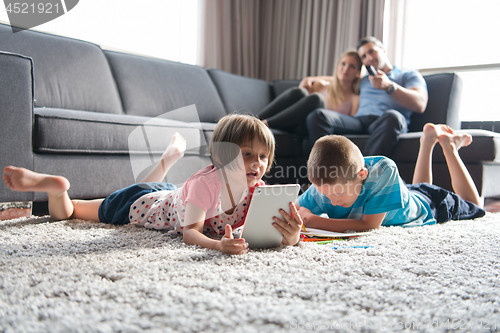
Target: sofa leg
[14,210]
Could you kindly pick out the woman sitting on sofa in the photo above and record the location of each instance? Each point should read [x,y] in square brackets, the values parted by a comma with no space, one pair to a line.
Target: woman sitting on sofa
[342,89]
[339,93]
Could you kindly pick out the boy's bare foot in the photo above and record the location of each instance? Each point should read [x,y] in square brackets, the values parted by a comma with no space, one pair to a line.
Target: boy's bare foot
[455,141]
[175,149]
[446,136]
[24,180]
[432,133]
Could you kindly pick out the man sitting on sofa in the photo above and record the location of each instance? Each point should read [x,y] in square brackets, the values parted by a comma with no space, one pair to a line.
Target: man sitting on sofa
[387,100]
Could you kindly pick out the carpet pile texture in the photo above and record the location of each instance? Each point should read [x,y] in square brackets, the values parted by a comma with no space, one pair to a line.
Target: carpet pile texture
[80,276]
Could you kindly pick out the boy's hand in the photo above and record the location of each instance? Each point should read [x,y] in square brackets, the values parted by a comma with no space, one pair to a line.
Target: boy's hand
[229,245]
[290,227]
[305,214]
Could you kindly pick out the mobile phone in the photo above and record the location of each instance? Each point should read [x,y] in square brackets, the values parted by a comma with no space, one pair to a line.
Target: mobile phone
[371,70]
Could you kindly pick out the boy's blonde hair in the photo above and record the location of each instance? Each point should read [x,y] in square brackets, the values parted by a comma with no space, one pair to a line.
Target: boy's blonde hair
[239,129]
[334,159]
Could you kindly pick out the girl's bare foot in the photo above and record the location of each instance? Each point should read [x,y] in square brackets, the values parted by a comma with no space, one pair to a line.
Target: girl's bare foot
[24,180]
[175,149]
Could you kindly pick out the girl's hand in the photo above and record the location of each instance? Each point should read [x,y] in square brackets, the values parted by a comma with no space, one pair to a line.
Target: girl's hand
[290,226]
[305,214]
[229,245]
[193,234]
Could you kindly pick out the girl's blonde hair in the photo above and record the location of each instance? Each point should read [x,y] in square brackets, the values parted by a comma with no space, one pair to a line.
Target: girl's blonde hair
[335,93]
[239,129]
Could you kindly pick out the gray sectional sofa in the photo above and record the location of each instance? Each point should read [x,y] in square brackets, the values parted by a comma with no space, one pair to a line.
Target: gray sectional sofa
[101,117]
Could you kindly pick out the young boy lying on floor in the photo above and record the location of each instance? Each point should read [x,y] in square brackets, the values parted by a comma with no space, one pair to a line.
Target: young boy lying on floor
[364,193]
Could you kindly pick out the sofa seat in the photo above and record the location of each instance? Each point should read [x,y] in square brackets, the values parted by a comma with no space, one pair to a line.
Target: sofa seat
[81,132]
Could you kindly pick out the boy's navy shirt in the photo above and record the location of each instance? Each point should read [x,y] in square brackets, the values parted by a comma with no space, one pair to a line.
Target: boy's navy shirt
[383,191]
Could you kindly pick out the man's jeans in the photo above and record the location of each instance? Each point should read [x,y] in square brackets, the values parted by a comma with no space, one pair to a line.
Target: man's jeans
[384,130]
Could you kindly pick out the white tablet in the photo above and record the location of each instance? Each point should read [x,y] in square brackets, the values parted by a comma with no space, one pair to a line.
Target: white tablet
[258,230]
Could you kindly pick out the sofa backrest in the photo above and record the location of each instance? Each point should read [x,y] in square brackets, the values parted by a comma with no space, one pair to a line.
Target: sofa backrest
[152,87]
[443,107]
[280,86]
[241,94]
[69,73]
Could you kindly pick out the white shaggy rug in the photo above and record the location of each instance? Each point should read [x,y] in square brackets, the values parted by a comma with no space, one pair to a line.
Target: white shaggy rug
[77,276]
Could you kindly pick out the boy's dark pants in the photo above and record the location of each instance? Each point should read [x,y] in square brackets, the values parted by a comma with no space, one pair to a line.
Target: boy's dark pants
[447,205]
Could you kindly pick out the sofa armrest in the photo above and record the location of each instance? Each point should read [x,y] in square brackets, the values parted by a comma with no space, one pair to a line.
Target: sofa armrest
[16,118]
[443,107]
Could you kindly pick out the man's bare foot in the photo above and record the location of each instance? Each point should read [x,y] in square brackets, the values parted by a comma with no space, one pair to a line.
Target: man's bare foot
[175,149]
[24,180]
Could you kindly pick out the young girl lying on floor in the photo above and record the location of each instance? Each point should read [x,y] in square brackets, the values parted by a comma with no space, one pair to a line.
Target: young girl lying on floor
[242,150]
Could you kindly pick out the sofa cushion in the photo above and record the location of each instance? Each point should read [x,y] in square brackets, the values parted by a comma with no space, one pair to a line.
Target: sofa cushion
[152,87]
[241,94]
[69,131]
[69,73]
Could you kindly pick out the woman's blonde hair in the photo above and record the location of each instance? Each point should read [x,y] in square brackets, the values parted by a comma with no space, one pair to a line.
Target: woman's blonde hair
[335,93]
[239,129]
